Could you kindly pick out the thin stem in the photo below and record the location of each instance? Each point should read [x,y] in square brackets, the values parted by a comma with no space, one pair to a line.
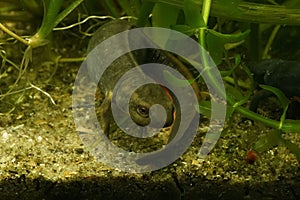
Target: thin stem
[286,126]
[71,59]
[9,32]
[66,12]
[208,69]
[270,41]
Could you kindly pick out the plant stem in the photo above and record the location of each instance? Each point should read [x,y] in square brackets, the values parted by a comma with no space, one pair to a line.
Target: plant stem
[286,126]
[270,41]
[6,30]
[208,70]
[51,19]
[66,12]
[247,12]
[52,8]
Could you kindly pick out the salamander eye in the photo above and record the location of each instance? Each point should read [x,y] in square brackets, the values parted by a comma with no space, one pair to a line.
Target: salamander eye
[143,111]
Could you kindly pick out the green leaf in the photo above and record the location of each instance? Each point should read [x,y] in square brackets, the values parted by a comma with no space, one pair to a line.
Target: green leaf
[282,98]
[273,139]
[234,93]
[193,16]
[268,141]
[146,9]
[249,73]
[51,10]
[216,42]
[236,63]
[280,95]
[237,60]
[185,29]
[204,108]
[71,7]
[170,78]
[215,47]
[293,148]
[229,38]
[164,15]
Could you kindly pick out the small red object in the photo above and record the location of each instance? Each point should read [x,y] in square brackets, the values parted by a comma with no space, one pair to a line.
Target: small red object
[251,157]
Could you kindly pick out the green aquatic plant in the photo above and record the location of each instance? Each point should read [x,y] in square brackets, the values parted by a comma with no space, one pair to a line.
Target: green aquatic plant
[51,18]
[194,22]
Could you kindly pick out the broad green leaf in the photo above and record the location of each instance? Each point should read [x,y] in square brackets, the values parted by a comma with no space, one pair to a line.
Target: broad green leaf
[164,15]
[215,47]
[193,16]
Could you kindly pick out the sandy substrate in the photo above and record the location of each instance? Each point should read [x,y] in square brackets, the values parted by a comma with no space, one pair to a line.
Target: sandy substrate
[42,157]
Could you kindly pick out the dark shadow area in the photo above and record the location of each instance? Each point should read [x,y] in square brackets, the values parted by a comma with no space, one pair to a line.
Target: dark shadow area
[144,188]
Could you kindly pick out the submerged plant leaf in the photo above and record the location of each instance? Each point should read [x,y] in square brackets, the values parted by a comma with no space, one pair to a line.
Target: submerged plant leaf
[145,10]
[273,139]
[204,108]
[216,42]
[280,95]
[282,98]
[229,38]
[170,78]
[185,29]
[164,15]
[268,141]
[234,93]
[215,47]
[293,148]
[236,64]
[249,74]
[193,16]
